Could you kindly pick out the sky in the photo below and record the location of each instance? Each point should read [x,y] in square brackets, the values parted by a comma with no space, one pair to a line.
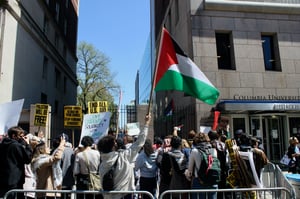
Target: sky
[119,29]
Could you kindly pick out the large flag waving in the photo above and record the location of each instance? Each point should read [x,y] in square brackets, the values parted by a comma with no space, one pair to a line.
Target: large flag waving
[176,71]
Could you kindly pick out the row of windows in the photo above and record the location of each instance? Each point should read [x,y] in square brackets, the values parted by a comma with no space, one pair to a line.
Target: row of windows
[225,51]
[57,74]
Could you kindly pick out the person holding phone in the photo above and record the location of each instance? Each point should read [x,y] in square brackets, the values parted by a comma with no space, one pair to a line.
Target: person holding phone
[15,153]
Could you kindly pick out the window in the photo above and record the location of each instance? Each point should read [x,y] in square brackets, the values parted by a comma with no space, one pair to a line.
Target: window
[65,85]
[56,40]
[65,52]
[43,98]
[271,52]
[239,122]
[56,104]
[45,68]
[294,124]
[65,26]
[176,11]
[57,9]
[225,52]
[57,78]
[169,22]
[45,25]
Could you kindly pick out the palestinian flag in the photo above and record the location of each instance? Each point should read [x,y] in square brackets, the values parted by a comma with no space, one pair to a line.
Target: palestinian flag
[176,71]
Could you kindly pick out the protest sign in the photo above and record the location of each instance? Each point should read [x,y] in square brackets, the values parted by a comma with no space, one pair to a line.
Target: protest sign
[248,156]
[133,128]
[72,116]
[205,129]
[41,114]
[10,114]
[97,107]
[95,125]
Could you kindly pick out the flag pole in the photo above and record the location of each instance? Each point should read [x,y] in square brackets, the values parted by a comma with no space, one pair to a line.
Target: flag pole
[118,111]
[155,71]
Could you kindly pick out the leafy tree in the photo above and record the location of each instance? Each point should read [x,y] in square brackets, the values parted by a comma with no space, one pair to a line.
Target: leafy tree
[95,81]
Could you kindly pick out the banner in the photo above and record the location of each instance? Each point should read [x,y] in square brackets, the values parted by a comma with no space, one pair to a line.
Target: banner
[10,114]
[95,125]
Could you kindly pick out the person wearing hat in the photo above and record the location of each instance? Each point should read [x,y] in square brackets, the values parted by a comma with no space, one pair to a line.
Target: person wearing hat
[30,179]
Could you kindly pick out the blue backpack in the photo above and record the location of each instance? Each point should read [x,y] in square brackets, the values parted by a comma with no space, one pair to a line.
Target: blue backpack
[210,169]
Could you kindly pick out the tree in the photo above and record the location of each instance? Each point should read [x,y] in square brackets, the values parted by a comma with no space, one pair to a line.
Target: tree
[95,81]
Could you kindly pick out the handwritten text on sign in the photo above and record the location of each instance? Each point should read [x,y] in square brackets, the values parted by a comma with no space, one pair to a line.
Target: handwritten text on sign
[72,116]
[41,113]
[97,106]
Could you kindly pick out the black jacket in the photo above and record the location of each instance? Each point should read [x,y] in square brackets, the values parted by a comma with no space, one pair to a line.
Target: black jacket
[13,157]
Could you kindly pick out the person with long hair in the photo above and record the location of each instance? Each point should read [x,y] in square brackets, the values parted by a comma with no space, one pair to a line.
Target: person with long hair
[293,153]
[201,142]
[47,169]
[146,164]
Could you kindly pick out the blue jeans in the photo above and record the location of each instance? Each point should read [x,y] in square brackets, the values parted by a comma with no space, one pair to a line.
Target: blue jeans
[203,195]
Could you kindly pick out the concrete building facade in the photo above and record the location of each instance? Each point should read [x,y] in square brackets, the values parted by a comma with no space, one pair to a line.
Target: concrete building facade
[38,41]
[250,50]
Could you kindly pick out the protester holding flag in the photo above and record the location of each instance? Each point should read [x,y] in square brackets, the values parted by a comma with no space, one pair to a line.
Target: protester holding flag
[123,173]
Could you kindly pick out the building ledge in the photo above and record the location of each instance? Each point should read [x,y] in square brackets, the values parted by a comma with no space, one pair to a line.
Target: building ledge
[252,6]
[239,106]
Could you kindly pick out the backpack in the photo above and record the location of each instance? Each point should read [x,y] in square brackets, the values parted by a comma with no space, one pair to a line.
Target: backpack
[210,170]
[108,178]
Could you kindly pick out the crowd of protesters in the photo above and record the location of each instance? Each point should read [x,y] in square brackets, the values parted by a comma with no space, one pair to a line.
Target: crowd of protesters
[168,163]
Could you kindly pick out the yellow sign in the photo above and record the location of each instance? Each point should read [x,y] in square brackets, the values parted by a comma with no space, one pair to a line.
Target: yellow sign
[72,116]
[97,107]
[41,114]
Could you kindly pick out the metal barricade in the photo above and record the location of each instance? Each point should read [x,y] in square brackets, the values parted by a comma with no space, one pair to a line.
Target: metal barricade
[282,181]
[240,193]
[74,194]
[275,186]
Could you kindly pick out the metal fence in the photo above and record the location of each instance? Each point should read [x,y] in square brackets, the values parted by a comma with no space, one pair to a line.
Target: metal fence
[71,194]
[241,193]
[275,186]
[163,124]
[186,116]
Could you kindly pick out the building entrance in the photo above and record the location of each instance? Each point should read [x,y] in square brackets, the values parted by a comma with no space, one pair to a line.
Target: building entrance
[271,129]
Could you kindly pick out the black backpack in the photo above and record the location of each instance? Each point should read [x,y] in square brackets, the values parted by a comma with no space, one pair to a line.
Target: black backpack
[210,170]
